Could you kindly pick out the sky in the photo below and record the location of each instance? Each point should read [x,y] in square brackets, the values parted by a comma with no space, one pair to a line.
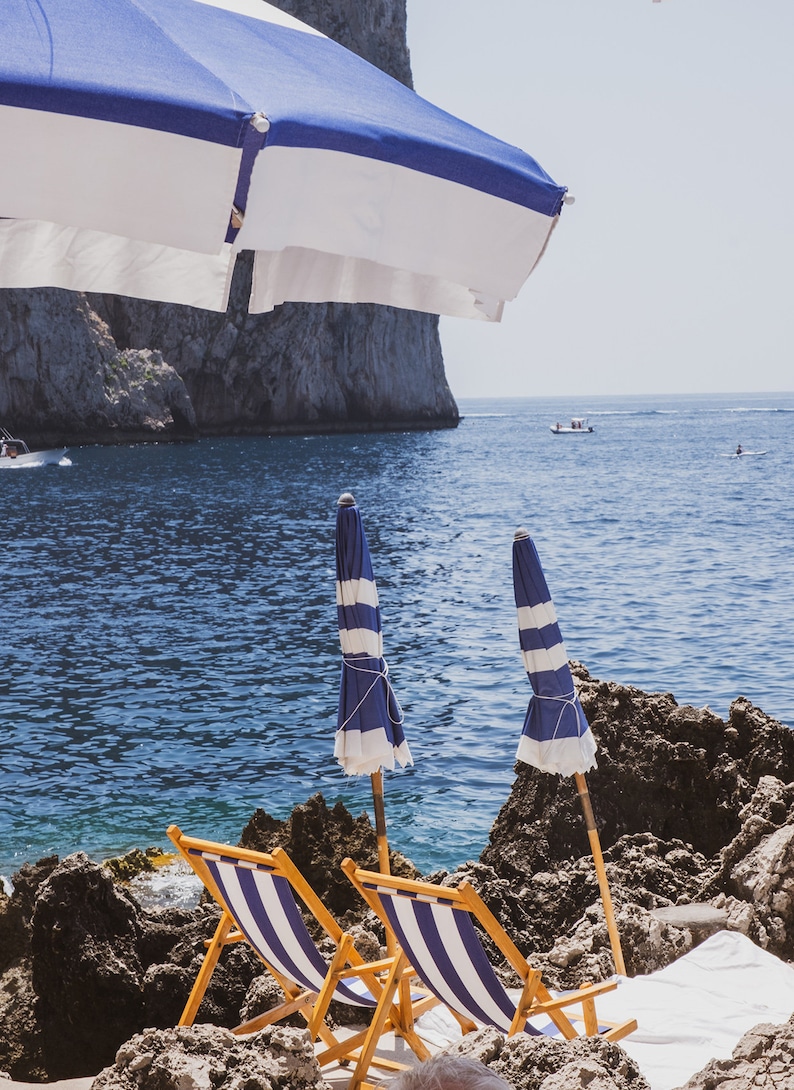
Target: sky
[672,125]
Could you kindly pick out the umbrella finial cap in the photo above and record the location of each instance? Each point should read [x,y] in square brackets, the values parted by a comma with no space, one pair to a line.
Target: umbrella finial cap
[347,499]
[520,533]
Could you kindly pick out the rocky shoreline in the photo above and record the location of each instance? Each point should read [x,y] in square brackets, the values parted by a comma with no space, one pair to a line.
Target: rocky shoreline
[692,811]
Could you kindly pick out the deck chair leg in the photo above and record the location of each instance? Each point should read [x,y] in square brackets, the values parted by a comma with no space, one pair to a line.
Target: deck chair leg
[405,1028]
[403,1017]
[589,1016]
[406,1009]
[378,1022]
[466,1024]
[217,942]
[557,1016]
[415,1043]
[327,990]
[525,1002]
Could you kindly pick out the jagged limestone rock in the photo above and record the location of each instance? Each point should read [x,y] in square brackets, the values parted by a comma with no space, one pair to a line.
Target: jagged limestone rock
[762,1060]
[210,1058]
[63,377]
[544,1063]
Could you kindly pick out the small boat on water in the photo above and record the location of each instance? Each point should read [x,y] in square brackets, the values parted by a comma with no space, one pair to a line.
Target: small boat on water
[15,453]
[578,426]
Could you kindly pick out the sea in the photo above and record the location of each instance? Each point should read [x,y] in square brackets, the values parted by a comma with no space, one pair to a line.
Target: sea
[169,648]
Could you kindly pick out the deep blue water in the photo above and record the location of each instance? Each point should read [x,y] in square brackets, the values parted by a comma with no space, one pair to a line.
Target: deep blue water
[170,651]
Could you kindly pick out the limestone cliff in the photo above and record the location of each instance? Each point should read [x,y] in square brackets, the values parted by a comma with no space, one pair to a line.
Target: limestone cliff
[78,368]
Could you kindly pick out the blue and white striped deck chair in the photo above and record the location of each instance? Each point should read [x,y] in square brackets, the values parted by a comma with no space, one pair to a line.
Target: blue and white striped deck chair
[256,892]
[434,926]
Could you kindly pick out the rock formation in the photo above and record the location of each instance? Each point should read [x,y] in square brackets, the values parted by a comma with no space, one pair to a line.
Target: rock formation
[543,1063]
[79,368]
[686,806]
[209,1058]
[64,378]
[83,967]
[697,822]
[762,1060]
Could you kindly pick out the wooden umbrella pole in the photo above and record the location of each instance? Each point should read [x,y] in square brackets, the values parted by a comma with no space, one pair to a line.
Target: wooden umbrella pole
[603,885]
[383,843]
[380,821]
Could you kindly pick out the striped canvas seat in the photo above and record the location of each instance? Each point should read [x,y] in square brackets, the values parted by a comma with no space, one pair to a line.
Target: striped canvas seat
[434,926]
[257,894]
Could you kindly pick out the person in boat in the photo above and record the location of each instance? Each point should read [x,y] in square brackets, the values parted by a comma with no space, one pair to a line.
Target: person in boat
[3,449]
[739,449]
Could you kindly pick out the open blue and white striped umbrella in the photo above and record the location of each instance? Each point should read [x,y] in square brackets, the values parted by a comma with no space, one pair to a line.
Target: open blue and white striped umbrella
[556,735]
[369,735]
[146,142]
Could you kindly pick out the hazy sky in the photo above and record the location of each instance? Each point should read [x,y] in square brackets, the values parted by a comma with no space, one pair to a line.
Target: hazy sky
[672,124]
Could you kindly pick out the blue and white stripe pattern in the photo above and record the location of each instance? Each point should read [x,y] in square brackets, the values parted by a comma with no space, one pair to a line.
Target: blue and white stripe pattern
[448,957]
[131,129]
[369,732]
[556,735]
[263,907]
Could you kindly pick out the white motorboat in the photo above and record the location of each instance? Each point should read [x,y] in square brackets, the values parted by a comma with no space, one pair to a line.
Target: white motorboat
[15,453]
[578,426]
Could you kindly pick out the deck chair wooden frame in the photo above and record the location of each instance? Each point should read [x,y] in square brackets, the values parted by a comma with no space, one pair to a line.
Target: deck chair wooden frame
[256,893]
[434,926]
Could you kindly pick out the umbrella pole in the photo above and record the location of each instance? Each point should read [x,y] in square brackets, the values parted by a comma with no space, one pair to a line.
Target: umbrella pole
[380,833]
[603,885]
[380,821]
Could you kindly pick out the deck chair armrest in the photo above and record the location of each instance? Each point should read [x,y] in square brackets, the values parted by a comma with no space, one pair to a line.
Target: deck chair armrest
[381,966]
[578,996]
[233,936]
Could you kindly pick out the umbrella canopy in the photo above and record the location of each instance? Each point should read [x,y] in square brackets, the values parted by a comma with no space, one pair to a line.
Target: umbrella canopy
[146,142]
[556,735]
[369,733]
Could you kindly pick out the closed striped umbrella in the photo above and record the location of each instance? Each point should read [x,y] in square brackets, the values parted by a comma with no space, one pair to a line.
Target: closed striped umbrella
[556,736]
[369,735]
